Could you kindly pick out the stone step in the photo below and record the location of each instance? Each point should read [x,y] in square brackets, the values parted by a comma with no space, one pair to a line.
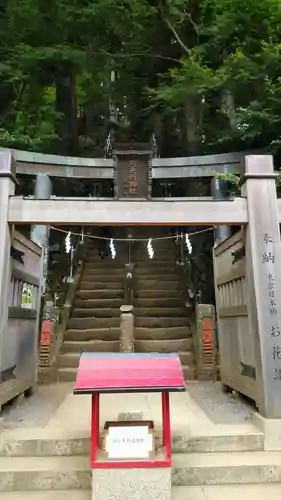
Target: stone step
[159,302]
[147,274]
[102,270]
[229,492]
[226,468]
[66,374]
[100,285]
[99,303]
[163,311]
[166,244]
[93,334]
[155,267]
[159,260]
[123,255]
[90,323]
[159,269]
[96,313]
[213,492]
[58,443]
[68,360]
[71,360]
[189,372]
[95,256]
[90,346]
[178,332]
[163,258]
[175,345]
[104,276]
[100,294]
[152,284]
[47,495]
[108,262]
[165,263]
[160,322]
[159,293]
[159,252]
[44,473]
[190,469]
[187,358]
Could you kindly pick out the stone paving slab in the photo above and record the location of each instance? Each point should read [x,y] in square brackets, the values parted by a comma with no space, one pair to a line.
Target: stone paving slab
[198,469]
[44,463]
[76,410]
[226,459]
[55,411]
[220,407]
[36,410]
[47,495]
[233,492]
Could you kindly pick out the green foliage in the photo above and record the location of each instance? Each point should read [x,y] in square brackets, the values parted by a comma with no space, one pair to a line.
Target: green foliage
[190,78]
[232,182]
[57,58]
[231,178]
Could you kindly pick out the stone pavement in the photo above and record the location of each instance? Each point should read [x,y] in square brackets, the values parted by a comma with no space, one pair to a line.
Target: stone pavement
[202,410]
[213,425]
[233,492]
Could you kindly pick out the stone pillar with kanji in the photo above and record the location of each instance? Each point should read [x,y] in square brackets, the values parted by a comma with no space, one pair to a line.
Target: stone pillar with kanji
[263,260]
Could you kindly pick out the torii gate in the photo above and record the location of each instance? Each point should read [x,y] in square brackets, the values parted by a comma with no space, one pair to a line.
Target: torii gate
[258,210]
[102,169]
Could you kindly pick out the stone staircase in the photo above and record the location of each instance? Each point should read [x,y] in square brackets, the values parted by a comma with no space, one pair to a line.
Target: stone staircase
[204,467]
[162,322]
[95,317]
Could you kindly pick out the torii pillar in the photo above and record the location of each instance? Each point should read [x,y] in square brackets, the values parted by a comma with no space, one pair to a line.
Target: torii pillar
[7,189]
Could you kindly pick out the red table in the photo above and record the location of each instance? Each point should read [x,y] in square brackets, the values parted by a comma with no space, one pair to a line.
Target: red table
[100,373]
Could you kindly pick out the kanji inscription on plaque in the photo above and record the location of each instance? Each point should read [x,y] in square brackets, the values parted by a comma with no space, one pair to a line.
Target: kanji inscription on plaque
[132,176]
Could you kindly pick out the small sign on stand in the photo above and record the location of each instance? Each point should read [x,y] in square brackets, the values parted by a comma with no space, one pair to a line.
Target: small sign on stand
[129,440]
[128,446]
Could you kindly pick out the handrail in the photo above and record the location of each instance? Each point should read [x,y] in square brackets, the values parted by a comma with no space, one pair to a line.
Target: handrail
[47,366]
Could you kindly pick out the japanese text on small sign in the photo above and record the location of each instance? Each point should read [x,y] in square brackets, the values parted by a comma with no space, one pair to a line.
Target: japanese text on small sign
[129,442]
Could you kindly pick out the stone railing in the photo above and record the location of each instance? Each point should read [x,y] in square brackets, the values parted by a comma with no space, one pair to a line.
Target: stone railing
[55,320]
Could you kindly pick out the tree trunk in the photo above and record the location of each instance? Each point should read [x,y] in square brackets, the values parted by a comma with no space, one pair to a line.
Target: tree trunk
[157,125]
[66,107]
[228,106]
[192,133]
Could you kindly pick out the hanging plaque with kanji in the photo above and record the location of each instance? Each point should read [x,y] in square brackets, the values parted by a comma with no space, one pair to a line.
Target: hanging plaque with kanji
[132,177]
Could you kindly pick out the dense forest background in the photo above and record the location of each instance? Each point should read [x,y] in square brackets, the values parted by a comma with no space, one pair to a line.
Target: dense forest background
[201,75]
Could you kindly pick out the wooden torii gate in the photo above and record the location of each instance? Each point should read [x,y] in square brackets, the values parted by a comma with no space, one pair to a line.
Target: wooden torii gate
[257,210]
